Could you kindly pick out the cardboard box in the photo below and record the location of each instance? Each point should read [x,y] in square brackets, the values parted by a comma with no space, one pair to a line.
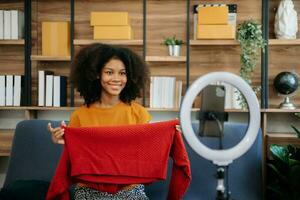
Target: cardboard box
[55,38]
[216,32]
[213,15]
[109,18]
[112,33]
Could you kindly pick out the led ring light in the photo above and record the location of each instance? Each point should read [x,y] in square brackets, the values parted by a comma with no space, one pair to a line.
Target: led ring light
[226,156]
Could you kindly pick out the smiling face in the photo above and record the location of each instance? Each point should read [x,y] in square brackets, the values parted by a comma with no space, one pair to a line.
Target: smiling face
[113,78]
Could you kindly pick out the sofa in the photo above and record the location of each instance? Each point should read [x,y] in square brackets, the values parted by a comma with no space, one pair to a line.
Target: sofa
[34,158]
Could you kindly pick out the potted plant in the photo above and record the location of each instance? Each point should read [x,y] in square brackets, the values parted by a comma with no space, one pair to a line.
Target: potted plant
[174,45]
[284,171]
[249,35]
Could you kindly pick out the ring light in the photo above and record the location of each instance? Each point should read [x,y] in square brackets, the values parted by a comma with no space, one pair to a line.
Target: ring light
[220,157]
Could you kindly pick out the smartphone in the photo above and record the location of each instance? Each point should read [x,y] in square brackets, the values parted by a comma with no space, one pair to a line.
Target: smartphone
[212,103]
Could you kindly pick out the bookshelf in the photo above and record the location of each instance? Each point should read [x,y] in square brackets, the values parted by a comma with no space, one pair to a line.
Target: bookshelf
[152,21]
[12,42]
[50,58]
[114,42]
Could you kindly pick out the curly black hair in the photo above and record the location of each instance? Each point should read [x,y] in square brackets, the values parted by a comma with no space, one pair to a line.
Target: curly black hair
[91,59]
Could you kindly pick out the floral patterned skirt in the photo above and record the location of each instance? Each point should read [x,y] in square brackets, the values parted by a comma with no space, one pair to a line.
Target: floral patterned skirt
[136,193]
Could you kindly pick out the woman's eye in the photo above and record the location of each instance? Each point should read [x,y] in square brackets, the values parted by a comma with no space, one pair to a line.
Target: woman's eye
[109,72]
[123,73]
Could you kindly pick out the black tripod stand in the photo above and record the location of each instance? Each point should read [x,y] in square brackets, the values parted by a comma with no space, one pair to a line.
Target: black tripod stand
[223,193]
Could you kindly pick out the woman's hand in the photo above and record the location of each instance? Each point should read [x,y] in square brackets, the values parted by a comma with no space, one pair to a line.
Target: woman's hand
[57,133]
[178,128]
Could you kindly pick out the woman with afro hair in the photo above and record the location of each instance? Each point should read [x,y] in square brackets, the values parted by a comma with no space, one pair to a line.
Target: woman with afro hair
[109,79]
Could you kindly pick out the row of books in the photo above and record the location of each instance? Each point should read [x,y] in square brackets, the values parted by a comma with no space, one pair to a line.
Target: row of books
[11,87]
[11,24]
[52,89]
[165,92]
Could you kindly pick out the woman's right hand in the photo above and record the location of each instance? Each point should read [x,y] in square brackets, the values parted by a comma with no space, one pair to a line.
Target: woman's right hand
[57,133]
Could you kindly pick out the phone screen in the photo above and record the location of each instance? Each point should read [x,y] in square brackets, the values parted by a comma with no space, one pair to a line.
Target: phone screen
[212,102]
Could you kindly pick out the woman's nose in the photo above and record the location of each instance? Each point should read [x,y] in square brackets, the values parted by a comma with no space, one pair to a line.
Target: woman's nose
[116,77]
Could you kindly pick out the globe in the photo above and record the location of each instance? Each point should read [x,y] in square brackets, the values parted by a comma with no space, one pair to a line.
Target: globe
[286,83]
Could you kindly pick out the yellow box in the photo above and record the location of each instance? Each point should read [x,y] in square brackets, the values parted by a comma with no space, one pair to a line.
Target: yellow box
[55,38]
[112,33]
[215,32]
[213,15]
[109,18]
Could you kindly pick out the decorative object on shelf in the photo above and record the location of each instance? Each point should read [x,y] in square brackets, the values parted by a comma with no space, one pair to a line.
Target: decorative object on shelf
[249,35]
[286,83]
[111,26]
[56,38]
[284,174]
[174,45]
[286,21]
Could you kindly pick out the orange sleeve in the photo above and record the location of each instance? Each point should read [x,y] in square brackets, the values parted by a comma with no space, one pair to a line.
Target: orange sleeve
[74,120]
[143,115]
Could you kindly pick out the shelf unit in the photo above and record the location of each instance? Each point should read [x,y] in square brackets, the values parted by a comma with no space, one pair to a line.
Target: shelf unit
[148,17]
[6,137]
[166,58]
[12,42]
[50,58]
[82,42]
[152,21]
[213,42]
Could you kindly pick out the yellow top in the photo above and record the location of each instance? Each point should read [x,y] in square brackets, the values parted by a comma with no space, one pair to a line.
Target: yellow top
[120,114]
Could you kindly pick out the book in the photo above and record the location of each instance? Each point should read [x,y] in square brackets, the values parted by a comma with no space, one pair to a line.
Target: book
[56,38]
[42,86]
[9,90]
[59,91]
[2,90]
[17,24]
[17,90]
[49,90]
[7,25]
[1,24]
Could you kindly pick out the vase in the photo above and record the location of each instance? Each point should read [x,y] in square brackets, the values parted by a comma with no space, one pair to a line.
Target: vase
[171,51]
[286,22]
[176,50]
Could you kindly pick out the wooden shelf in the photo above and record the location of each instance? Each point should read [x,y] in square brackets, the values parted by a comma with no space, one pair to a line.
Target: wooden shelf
[213,42]
[277,42]
[36,108]
[39,108]
[6,137]
[273,110]
[165,58]
[193,110]
[12,42]
[163,109]
[50,58]
[278,110]
[117,42]
[282,138]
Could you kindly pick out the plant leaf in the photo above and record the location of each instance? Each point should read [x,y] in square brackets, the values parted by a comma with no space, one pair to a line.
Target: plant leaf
[280,153]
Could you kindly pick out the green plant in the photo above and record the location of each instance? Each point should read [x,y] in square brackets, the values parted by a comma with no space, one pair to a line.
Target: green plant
[284,173]
[249,35]
[172,41]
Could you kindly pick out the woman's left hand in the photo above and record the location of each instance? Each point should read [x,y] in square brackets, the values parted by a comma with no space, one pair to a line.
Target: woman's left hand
[178,128]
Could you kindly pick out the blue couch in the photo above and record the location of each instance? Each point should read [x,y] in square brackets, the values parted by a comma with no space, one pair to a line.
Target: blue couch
[34,157]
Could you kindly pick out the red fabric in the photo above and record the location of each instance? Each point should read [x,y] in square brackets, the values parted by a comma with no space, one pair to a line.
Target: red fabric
[107,158]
